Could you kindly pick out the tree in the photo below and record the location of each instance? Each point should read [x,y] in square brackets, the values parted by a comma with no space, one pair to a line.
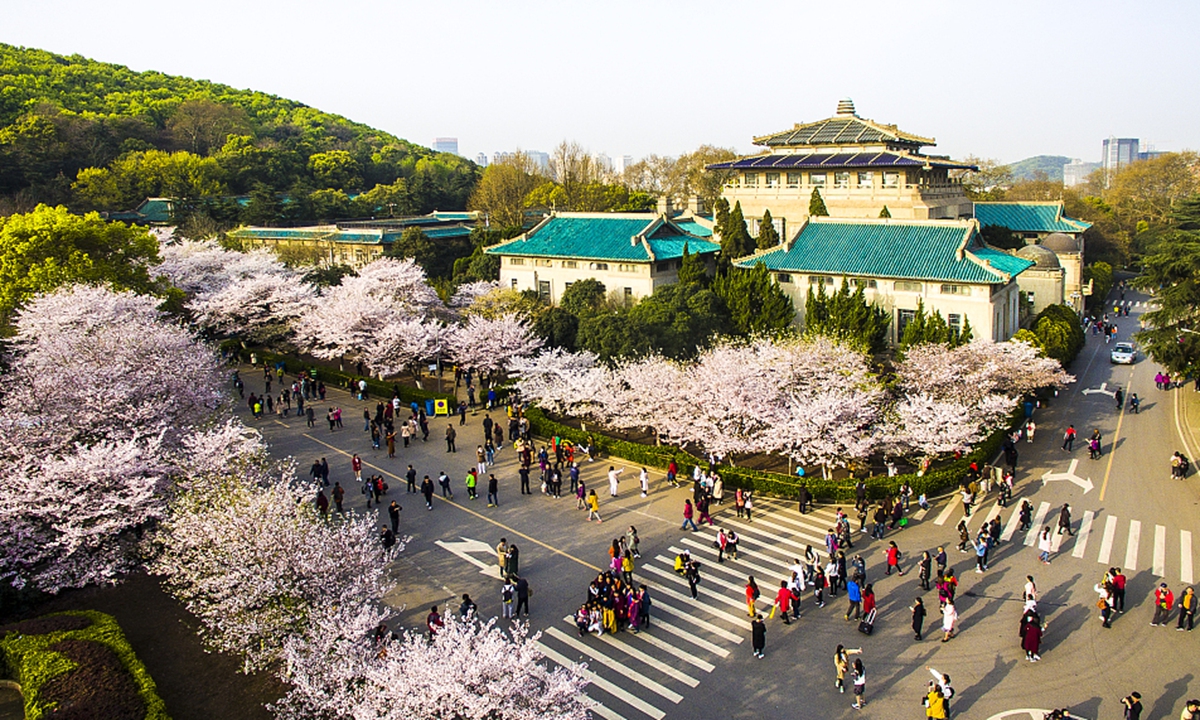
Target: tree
[768,236]
[816,204]
[612,335]
[990,182]
[199,125]
[914,331]
[1001,237]
[261,309]
[846,317]
[50,248]
[735,238]
[1148,190]
[558,327]
[335,169]
[503,188]
[692,269]
[1170,337]
[679,319]
[756,305]
[922,425]
[1058,333]
[489,346]
[560,381]
[200,267]
[584,297]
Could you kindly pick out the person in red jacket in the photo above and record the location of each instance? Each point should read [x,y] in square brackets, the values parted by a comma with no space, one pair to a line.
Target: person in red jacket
[783,601]
[1164,600]
[868,601]
[893,559]
[356,466]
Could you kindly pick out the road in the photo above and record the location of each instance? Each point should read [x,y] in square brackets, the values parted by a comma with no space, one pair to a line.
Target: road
[696,660]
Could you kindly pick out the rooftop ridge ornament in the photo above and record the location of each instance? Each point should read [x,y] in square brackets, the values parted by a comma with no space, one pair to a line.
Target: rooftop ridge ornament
[845,106]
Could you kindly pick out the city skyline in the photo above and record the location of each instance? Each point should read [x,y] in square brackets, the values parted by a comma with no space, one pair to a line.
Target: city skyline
[1003,98]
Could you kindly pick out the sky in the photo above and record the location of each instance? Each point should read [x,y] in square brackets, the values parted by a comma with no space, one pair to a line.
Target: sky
[1002,80]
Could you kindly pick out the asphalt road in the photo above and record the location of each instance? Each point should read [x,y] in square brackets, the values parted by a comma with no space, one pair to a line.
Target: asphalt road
[696,661]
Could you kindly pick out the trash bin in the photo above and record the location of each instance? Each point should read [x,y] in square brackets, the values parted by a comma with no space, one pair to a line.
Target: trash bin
[429,408]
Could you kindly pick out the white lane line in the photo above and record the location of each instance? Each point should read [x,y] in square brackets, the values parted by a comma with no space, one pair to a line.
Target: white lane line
[1010,527]
[946,512]
[611,688]
[732,587]
[614,665]
[993,513]
[734,567]
[1185,556]
[1056,540]
[805,522]
[603,712]
[1131,549]
[682,634]
[750,553]
[1085,529]
[704,592]
[1106,542]
[920,514]
[757,527]
[625,647]
[1036,529]
[698,622]
[1160,550]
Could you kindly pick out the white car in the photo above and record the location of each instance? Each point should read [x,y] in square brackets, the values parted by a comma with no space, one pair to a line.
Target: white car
[1124,354]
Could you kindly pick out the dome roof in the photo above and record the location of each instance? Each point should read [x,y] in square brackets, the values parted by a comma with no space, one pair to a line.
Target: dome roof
[1061,243]
[1042,258]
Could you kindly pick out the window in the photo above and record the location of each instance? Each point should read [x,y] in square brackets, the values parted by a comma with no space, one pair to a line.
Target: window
[866,179]
[570,264]
[516,261]
[544,289]
[816,179]
[891,179]
[772,179]
[907,286]
[628,296]
[841,179]
[597,266]
[793,180]
[866,283]
[750,179]
[540,262]
[627,268]
[783,277]
[903,318]
[954,320]
[514,283]
[956,289]
[567,286]
[662,267]
[820,280]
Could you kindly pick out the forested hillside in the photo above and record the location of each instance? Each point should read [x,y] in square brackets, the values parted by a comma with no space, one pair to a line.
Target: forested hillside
[100,136]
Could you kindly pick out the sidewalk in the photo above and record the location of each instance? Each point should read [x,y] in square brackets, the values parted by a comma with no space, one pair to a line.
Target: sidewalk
[1186,409]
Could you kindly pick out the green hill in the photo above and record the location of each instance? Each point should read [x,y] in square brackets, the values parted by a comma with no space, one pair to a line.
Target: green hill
[96,135]
[1030,168]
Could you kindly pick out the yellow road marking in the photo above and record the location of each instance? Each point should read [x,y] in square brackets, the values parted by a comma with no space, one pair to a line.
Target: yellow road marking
[465,509]
[1116,436]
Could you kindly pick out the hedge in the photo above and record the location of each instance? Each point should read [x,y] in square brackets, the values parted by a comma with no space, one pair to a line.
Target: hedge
[342,379]
[935,481]
[28,653]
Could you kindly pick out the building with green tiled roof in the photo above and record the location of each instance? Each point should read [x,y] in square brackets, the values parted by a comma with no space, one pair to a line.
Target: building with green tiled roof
[1045,224]
[942,264]
[632,254]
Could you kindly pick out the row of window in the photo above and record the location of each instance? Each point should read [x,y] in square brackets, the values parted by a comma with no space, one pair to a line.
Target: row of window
[872,284]
[840,179]
[573,264]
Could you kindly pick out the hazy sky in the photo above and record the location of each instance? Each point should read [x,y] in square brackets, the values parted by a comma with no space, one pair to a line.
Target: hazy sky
[1004,80]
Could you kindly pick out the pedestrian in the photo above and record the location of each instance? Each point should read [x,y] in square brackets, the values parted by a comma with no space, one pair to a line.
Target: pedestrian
[1118,583]
[411,476]
[502,555]
[613,478]
[758,635]
[893,559]
[444,481]
[472,481]
[481,463]
[1069,438]
[854,595]
[942,682]
[427,491]
[1105,603]
[1031,635]
[390,437]
[981,551]
[935,703]
[923,570]
[593,504]
[467,608]
[338,496]
[356,466]
[324,472]
[918,618]
[739,502]
[692,575]
[752,594]
[1187,610]
[841,663]
[1133,706]
[749,506]
[949,621]
[783,601]
[433,622]
[688,513]
[512,561]
[644,480]
[388,537]
[1045,543]
[322,503]
[1064,520]
[493,495]
[394,514]
[1030,429]
[1026,514]
[523,593]
[451,433]
[860,684]
[632,541]
[941,560]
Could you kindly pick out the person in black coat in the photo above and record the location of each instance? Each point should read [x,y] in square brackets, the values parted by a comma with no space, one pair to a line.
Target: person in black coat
[758,632]
[918,618]
[522,586]
[427,491]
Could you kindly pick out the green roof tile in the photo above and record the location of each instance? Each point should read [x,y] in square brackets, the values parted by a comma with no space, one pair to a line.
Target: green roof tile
[1028,217]
[603,237]
[915,250]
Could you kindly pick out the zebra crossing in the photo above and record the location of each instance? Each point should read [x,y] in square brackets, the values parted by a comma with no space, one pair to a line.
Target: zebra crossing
[644,675]
[1161,545]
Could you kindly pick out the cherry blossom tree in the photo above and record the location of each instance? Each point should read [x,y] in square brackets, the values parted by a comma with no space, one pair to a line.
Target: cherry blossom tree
[470,671]
[466,294]
[645,393]
[260,308]
[561,382]
[490,346]
[971,372]
[921,425]
[404,345]
[203,267]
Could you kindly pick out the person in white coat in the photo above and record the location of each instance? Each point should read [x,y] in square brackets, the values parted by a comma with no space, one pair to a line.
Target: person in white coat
[613,475]
[644,479]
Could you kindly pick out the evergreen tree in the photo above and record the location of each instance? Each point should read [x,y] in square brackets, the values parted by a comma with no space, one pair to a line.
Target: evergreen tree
[965,335]
[720,216]
[768,236]
[816,205]
[755,303]
[937,330]
[914,332]
[885,213]
[735,240]
[846,316]
[692,269]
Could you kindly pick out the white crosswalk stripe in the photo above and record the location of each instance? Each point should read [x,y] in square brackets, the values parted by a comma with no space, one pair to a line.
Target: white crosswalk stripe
[1159,566]
[946,512]
[708,577]
[1085,529]
[1185,557]
[734,566]
[629,673]
[1056,540]
[993,513]
[604,712]
[626,647]
[743,527]
[611,688]
[1131,548]
[1010,527]
[1106,542]
[657,624]
[702,591]
[1036,529]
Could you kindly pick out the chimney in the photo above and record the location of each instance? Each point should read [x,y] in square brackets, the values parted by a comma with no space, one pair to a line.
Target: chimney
[665,206]
[696,205]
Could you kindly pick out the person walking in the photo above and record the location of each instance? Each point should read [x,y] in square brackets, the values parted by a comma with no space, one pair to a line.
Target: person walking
[758,635]
[691,573]
[1045,543]
[1031,635]
[339,494]
[752,594]
[1105,603]
[854,595]
[688,514]
[507,593]
[935,703]
[1025,513]
[1133,706]
[493,494]
[427,491]
[394,515]
[923,569]
[860,684]
[356,466]
[451,433]
[410,475]
[614,476]
[593,504]
[1118,583]
[1064,520]
[783,601]
[644,481]
[444,481]
[841,664]
[1069,438]
[1187,610]
[893,559]
[918,618]
[949,621]
[472,482]
[523,593]
[739,502]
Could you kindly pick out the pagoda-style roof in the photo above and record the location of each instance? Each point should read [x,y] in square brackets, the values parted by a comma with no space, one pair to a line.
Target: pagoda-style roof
[835,160]
[1039,217]
[616,237]
[845,128]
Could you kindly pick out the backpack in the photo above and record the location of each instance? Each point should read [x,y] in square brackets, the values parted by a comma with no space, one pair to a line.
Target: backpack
[507,593]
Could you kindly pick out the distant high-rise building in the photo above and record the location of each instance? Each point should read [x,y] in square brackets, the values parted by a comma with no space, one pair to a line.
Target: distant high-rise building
[446,145]
[1076,172]
[539,160]
[621,163]
[603,162]
[481,160]
[1119,152]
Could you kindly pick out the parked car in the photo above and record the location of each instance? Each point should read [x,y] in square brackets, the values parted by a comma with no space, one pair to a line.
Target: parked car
[1124,354]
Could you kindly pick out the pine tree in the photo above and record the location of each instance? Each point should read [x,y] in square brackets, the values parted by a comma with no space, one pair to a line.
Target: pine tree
[735,240]
[755,303]
[691,269]
[768,236]
[816,205]
[936,329]
[965,335]
[720,216]
[914,332]
[885,213]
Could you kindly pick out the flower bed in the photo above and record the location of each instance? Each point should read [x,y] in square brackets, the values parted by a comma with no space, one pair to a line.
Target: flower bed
[78,666]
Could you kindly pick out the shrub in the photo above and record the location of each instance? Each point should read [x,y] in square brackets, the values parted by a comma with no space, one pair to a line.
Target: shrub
[79,660]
